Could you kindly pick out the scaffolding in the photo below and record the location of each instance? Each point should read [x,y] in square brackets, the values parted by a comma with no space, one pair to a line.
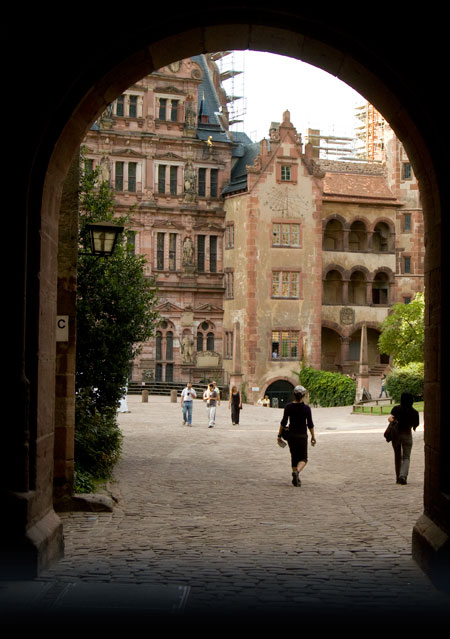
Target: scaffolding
[370,132]
[232,79]
[331,147]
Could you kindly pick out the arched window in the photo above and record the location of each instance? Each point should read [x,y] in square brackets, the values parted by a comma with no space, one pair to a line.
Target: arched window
[158,354]
[199,342]
[357,237]
[381,240]
[380,289]
[357,288]
[169,345]
[332,288]
[210,342]
[333,237]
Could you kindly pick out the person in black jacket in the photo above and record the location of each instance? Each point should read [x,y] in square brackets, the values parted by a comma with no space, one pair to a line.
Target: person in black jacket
[300,420]
[407,417]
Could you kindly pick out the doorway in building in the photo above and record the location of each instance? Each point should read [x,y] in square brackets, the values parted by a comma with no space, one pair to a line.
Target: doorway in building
[280,393]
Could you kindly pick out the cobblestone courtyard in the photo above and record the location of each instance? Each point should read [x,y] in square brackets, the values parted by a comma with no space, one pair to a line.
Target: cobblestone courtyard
[213,513]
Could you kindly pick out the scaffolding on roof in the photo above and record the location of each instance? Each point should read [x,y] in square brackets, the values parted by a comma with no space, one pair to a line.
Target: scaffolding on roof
[232,79]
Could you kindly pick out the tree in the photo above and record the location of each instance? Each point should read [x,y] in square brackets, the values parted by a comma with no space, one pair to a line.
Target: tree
[115,314]
[403,332]
[115,301]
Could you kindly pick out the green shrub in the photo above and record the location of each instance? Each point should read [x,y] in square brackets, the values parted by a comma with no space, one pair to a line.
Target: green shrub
[98,439]
[83,481]
[407,379]
[327,389]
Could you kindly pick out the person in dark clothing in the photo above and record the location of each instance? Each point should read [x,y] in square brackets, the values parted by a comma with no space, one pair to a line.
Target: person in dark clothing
[300,420]
[407,417]
[236,404]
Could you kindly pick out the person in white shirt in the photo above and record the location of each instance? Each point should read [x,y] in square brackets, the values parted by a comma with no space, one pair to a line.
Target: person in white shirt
[187,401]
[212,398]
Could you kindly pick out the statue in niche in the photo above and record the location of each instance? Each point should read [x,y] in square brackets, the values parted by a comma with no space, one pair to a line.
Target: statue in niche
[189,181]
[190,114]
[104,173]
[187,349]
[188,251]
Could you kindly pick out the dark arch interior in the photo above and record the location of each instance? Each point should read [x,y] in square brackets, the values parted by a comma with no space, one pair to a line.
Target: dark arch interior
[69,85]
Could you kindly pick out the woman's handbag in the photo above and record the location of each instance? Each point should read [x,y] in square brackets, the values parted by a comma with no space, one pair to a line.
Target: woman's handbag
[285,433]
[391,432]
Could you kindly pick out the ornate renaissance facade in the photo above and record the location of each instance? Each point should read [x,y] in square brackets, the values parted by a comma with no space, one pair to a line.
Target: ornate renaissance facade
[165,148]
[265,254]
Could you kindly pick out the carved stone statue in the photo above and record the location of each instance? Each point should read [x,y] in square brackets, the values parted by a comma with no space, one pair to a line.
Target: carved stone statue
[189,178]
[188,251]
[189,181]
[187,349]
[190,114]
[105,169]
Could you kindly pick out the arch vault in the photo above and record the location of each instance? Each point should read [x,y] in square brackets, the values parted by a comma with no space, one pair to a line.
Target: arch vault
[69,73]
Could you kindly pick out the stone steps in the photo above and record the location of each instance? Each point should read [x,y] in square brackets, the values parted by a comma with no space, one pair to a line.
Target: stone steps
[164,388]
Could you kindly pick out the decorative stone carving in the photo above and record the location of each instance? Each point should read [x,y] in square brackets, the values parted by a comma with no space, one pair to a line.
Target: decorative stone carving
[148,374]
[187,319]
[187,349]
[209,359]
[188,251]
[190,114]
[347,316]
[189,181]
[256,166]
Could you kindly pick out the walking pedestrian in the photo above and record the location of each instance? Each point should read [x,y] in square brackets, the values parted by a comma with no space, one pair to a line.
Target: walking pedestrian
[235,404]
[406,417]
[299,416]
[212,398]
[383,386]
[187,403]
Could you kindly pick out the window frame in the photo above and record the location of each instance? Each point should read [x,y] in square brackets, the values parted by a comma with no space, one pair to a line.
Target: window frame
[160,247]
[281,234]
[119,176]
[293,341]
[281,278]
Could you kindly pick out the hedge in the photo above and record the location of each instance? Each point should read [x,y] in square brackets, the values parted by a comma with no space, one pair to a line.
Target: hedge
[407,379]
[98,442]
[327,389]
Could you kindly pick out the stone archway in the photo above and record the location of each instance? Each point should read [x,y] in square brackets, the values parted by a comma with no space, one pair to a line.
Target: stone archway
[279,392]
[76,85]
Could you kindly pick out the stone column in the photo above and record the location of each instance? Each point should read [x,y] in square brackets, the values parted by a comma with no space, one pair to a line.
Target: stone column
[345,292]
[236,374]
[66,347]
[363,374]
[345,346]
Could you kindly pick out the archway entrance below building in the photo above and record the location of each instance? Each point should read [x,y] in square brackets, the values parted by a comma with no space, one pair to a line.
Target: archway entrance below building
[279,393]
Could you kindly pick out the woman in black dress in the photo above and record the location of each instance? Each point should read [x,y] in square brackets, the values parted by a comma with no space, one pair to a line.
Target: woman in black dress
[407,417]
[236,404]
[300,420]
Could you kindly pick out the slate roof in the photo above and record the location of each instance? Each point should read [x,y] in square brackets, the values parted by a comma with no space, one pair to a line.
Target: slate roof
[209,105]
[246,155]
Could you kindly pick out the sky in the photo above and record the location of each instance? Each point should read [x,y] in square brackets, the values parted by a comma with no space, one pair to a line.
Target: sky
[273,84]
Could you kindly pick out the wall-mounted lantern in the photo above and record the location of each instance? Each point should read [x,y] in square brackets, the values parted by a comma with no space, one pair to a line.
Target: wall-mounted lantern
[103,237]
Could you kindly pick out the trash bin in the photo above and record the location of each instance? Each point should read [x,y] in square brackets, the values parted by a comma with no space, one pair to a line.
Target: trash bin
[145,396]
[274,402]
[173,396]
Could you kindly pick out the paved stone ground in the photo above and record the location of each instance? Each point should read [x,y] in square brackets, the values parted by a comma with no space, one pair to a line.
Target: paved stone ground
[213,511]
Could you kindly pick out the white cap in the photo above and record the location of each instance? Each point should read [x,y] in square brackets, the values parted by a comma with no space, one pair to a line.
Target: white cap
[300,389]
